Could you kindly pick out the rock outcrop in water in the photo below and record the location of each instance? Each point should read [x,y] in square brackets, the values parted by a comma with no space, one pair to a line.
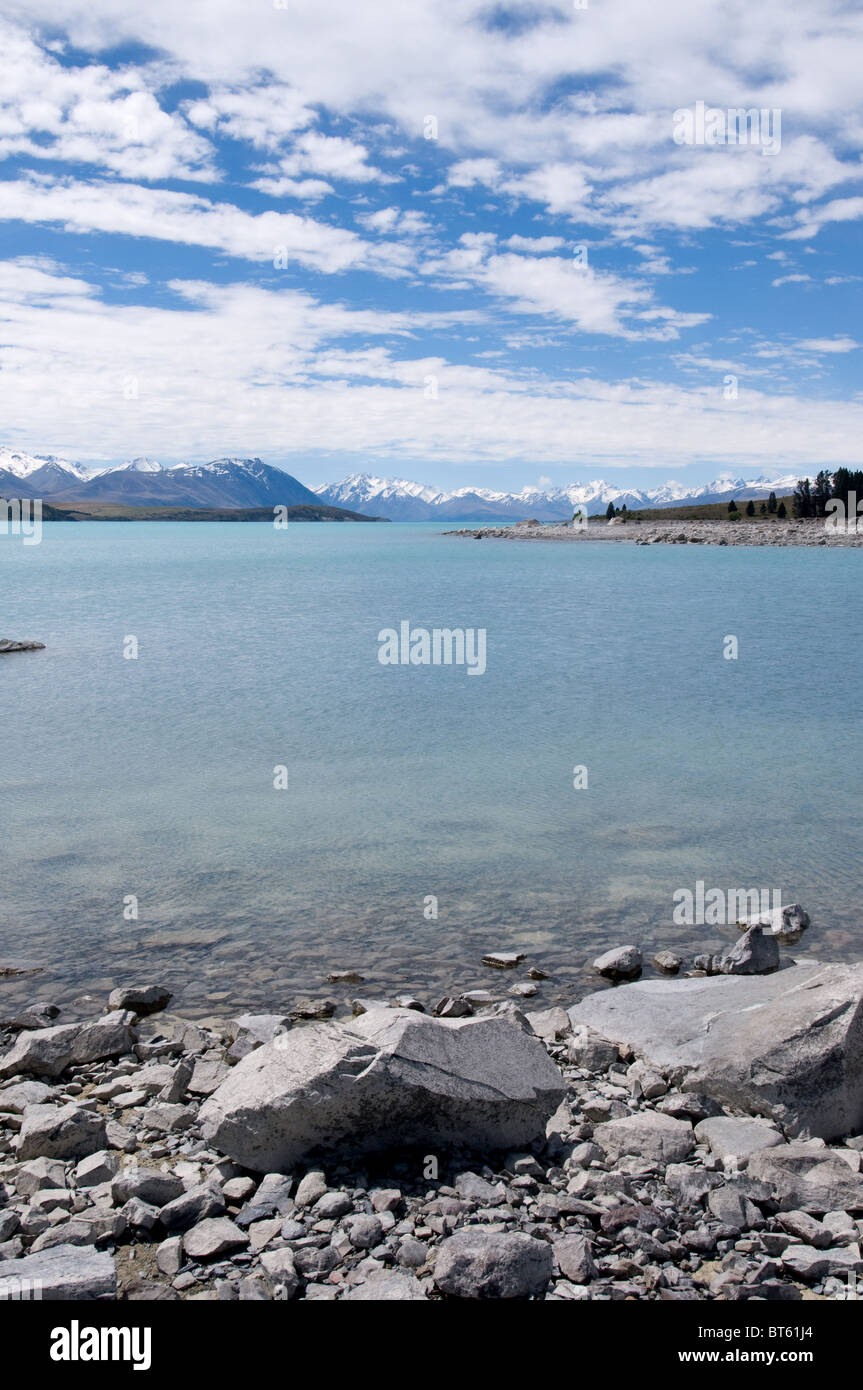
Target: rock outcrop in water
[8,645]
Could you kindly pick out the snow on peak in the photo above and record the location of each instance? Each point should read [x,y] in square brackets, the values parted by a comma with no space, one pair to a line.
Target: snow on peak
[22,465]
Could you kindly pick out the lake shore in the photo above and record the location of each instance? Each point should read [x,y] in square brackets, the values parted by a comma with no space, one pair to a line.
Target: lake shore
[749,531]
[144,1156]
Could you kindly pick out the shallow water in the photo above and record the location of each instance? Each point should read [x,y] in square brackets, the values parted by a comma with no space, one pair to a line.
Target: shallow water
[154,777]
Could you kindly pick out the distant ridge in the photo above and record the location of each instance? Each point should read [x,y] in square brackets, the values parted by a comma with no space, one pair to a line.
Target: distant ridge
[244,483]
[401,500]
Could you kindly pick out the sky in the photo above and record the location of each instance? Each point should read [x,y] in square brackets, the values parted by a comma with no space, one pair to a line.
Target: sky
[462,243]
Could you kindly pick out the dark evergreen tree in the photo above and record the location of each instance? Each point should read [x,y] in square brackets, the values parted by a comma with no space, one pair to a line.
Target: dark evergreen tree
[763,509]
[803,504]
[732,505]
[823,492]
[609,512]
[750,508]
[780,510]
[771,502]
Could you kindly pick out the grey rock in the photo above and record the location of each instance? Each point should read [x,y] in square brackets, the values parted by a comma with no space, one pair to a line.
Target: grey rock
[60,1131]
[448,1007]
[620,963]
[735,1139]
[479,1264]
[97,1168]
[733,1208]
[648,1135]
[49,1051]
[473,1188]
[332,1205]
[94,1227]
[668,961]
[192,1207]
[550,1024]
[278,1265]
[64,1273]
[169,1256]
[687,1105]
[787,1045]
[787,923]
[39,1175]
[139,1216]
[755,953]
[590,1051]
[808,1179]
[313,1009]
[15,1099]
[364,1232]
[238,1189]
[806,1228]
[149,1185]
[385,1198]
[805,1262]
[412,1253]
[574,1258]
[316,1264]
[503,960]
[9,644]
[140,999]
[175,1086]
[311,1188]
[216,1235]
[386,1286]
[249,1031]
[169,1119]
[208,1075]
[33,1016]
[384,1080]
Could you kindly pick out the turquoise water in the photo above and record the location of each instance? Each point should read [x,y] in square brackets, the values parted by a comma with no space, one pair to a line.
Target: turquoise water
[154,777]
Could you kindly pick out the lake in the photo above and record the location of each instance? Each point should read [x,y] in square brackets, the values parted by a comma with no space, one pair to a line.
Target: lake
[429,814]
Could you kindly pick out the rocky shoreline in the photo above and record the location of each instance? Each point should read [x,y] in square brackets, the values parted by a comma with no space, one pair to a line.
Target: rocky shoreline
[770,531]
[691,1138]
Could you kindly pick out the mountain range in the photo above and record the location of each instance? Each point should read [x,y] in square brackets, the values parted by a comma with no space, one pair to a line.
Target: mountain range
[400,500]
[248,482]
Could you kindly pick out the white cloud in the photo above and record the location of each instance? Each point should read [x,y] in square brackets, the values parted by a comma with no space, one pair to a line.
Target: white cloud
[828,344]
[92,115]
[561,289]
[131,210]
[240,369]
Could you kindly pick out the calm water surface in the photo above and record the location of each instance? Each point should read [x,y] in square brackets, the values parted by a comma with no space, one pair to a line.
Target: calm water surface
[154,777]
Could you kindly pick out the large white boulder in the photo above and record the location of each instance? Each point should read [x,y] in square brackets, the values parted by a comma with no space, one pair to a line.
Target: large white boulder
[788,1045]
[390,1078]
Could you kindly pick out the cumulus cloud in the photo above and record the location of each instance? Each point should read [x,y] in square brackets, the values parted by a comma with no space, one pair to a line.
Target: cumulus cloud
[238,368]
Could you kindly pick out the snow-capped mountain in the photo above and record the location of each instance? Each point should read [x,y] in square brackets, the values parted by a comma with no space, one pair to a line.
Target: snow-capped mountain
[249,482]
[36,475]
[225,483]
[140,465]
[401,500]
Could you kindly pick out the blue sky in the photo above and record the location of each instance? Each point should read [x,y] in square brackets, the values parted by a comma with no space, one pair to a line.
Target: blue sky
[441,240]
